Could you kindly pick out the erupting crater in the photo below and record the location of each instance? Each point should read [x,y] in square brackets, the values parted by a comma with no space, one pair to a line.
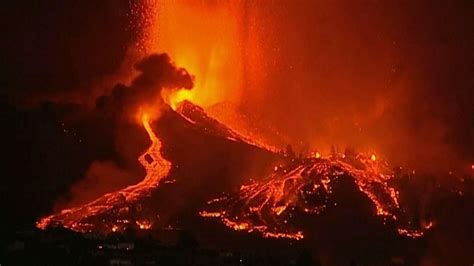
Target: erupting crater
[273,206]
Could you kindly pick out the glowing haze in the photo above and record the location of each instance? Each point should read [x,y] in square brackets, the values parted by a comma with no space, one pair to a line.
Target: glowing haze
[202,37]
[323,73]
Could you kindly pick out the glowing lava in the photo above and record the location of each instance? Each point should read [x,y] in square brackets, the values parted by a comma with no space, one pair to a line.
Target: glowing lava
[373,157]
[214,41]
[204,37]
[105,213]
[305,187]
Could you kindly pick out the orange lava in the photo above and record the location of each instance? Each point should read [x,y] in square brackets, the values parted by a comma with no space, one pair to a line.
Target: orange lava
[268,206]
[204,38]
[214,41]
[94,216]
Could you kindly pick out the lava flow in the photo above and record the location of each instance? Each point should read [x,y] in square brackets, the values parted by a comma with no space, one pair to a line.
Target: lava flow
[306,187]
[95,215]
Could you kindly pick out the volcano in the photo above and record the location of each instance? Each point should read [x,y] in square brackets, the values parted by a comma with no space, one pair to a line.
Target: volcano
[193,150]
[253,189]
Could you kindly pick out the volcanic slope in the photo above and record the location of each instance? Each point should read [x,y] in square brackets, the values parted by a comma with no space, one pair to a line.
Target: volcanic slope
[191,158]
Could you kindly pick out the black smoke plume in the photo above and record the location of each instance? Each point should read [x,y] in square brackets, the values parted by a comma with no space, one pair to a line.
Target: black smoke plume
[156,73]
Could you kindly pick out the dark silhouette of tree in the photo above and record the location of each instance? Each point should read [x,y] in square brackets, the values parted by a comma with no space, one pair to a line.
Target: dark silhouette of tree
[186,240]
[305,259]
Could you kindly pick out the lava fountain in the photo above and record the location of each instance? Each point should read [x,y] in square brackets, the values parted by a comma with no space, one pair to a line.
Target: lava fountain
[208,39]
[204,38]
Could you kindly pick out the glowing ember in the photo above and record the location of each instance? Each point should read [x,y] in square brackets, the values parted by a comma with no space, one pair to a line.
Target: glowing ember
[144,225]
[373,157]
[415,233]
[93,216]
[115,228]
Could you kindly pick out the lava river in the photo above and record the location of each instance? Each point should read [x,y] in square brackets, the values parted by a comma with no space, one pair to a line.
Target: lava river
[119,203]
[304,187]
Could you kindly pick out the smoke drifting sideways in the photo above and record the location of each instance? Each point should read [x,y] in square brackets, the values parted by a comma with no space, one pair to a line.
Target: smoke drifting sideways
[116,119]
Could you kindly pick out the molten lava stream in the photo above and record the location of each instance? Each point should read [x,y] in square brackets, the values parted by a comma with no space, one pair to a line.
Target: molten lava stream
[78,218]
[268,206]
[159,167]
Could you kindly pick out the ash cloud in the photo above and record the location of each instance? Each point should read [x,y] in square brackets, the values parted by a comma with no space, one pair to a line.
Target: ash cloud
[156,72]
